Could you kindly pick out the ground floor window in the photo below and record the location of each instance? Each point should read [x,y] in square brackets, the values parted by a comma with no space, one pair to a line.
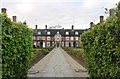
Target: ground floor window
[34,43]
[71,44]
[62,43]
[67,44]
[48,44]
[77,43]
[38,44]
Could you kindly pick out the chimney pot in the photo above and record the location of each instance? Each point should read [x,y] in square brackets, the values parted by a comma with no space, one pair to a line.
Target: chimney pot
[101,19]
[3,10]
[35,26]
[72,27]
[91,24]
[45,26]
[14,18]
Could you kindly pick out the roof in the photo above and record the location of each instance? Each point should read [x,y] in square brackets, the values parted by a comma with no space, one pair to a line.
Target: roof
[54,31]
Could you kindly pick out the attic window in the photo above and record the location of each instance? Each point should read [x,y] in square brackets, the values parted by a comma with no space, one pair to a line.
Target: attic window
[58,32]
[48,33]
[76,33]
[67,33]
[39,33]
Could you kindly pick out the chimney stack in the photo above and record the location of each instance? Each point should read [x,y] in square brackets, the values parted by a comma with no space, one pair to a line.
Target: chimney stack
[3,10]
[101,19]
[72,27]
[91,24]
[14,18]
[45,26]
[35,26]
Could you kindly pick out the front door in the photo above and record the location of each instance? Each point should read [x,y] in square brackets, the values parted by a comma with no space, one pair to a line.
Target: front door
[57,44]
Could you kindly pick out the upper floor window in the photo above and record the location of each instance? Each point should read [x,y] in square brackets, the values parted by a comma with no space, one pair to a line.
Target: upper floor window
[67,33]
[76,38]
[48,38]
[48,33]
[38,38]
[43,38]
[67,38]
[39,33]
[76,33]
[72,38]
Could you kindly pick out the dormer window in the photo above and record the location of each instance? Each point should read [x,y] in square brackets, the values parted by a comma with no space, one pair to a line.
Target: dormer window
[48,33]
[58,32]
[76,33]
[39,33]
[67,33]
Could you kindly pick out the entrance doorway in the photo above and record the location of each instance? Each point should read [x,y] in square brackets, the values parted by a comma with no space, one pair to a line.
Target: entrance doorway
[58,44]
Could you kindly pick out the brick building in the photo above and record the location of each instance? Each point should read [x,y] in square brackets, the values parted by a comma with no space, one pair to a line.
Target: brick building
[56,37]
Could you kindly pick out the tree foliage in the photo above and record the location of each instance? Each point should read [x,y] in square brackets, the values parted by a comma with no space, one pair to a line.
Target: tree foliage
[16,48]
[101,46]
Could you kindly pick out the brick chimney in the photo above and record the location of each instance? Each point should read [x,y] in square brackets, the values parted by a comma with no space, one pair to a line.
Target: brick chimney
[14,18]
[101,19]
[91,24]
[3,10]
[45,26]
[72,27]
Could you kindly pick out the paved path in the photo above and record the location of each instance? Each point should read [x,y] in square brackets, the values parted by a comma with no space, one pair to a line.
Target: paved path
[57,64]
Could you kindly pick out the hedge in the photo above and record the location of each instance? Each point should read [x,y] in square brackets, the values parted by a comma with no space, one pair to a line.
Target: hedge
[16,48]
[102,49]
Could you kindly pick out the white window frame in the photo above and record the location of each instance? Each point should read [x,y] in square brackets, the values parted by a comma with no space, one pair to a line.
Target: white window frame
[72,38]
[43,38]
[38,37]
[67,38]
[39,33]
[48,33]
[76,38]
[48,38]
[48,44]
[67,44]
[34,37]
[67,33]
[76,33]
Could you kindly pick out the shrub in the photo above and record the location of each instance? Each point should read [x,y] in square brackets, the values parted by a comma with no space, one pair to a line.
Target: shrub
[102,49]
[16,49]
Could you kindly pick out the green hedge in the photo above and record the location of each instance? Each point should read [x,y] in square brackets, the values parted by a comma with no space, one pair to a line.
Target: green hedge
[16,48]
[102,49]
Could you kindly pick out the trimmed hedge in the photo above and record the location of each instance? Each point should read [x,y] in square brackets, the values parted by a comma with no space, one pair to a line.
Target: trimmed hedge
[16,49]
[102,49]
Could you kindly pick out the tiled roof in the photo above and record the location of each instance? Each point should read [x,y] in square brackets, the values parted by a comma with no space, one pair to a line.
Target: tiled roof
[54,31]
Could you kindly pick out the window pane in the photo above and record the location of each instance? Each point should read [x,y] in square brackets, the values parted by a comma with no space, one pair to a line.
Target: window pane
[39,33]
[76,33]
[67,33]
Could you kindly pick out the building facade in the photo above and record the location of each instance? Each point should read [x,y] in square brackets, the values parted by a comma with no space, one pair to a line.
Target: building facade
[56,37]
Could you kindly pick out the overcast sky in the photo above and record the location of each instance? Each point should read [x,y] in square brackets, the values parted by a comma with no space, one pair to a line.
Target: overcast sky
[58,12]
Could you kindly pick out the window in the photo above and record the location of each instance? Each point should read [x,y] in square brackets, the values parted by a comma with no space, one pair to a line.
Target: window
[38,44]
[76,38]
[34,38]
[48,44]
[67,44]
[72,38]
[76,33]
[35,43]
[76,44]
[43,38]
[38,38]
[58,32]
[52,43]
[39,33]
[48,38]
[48,33]
[62,43]
[67,38]
[67,33]
[71,44]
